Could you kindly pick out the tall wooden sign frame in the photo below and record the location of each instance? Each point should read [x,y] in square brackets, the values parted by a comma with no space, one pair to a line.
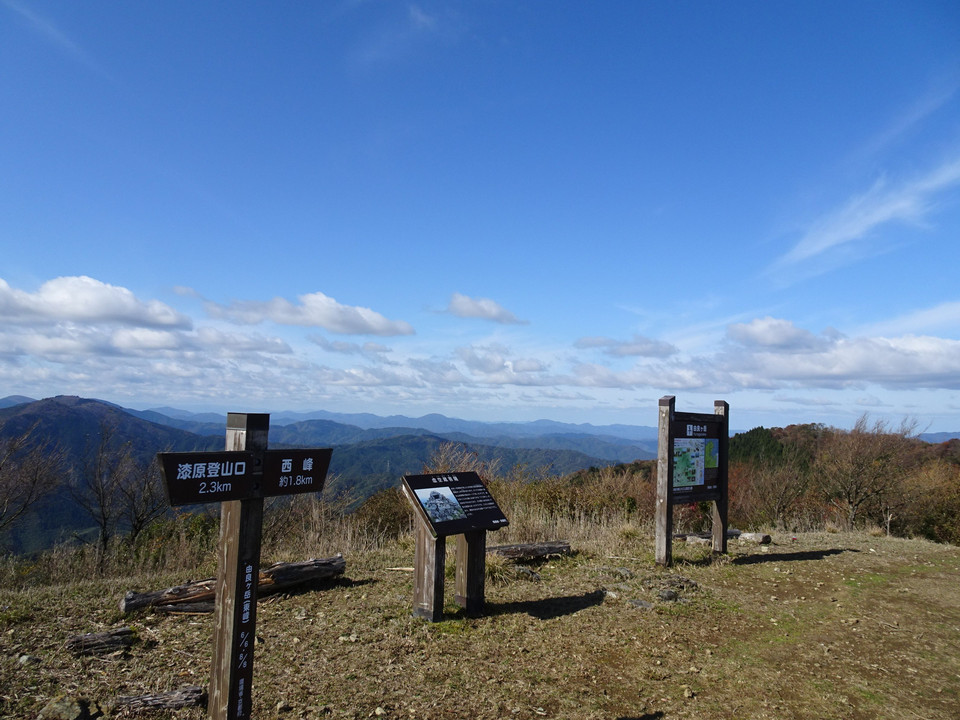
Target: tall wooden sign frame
[239,478]
[450,504]
[692,454]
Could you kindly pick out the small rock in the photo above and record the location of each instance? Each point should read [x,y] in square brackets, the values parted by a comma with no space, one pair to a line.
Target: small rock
[379,711]
[641,604]
[528,574]
[283,707]
[25,660]
[688,692]
[68,708]
[669,596]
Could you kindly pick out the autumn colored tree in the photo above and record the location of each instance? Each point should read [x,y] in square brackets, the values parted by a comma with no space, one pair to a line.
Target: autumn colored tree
[864,467]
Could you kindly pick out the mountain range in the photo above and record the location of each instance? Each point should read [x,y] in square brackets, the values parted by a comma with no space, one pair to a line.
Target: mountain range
[370,452]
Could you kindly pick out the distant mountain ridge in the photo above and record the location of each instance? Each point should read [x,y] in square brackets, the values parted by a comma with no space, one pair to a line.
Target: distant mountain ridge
[364,460]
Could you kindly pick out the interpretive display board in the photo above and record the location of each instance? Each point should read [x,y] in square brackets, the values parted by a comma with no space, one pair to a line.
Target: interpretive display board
[691,468]
[454,503]
[450,504]
[696,457]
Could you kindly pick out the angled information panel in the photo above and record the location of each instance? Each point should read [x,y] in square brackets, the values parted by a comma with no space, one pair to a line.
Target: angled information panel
[453,503]
[696,457]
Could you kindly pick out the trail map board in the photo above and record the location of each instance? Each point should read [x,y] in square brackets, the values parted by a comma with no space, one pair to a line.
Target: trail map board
[696,457]
[692,451]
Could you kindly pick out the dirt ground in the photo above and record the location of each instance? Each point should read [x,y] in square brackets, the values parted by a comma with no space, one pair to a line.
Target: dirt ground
[817,626]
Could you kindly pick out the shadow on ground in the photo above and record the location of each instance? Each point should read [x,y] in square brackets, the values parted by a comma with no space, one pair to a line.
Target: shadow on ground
[548,608]
[789,556]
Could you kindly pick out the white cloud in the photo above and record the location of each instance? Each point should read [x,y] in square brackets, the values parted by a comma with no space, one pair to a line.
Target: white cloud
[944,317]
[483,308]
[909,202]
[83,299]
[314,310]
[638,346]
[369,349]
[774,333]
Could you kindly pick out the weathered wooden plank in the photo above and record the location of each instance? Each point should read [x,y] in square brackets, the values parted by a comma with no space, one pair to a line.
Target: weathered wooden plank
[531,551]
[189,696]
[101,643]
[663,513]
[470,578]
[274,579]
[428,562]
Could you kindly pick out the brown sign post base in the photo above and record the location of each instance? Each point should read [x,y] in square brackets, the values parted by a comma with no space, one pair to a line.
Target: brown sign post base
[429,564]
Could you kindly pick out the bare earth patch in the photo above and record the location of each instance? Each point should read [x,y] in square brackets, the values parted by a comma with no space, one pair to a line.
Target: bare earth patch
[821,626]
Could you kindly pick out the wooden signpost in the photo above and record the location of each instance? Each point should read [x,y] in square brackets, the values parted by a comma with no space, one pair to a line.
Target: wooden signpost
[691,468]
[239,479]
[450,504]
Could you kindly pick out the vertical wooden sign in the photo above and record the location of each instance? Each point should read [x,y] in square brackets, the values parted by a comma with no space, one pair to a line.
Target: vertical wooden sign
[238,563]
[663,552]
[239,478]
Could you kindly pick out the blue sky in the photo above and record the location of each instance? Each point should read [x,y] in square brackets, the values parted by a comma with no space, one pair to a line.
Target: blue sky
[490,210]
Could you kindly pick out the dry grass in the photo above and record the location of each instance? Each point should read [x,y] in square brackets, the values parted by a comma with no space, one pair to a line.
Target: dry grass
[828,625]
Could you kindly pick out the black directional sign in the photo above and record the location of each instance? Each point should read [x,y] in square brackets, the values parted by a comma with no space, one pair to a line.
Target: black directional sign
[205,477]
[287,472]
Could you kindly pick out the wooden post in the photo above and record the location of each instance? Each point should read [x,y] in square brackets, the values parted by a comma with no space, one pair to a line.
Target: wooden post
[471,571]
[238,568]
[720,506]
[664,510]
[429,560]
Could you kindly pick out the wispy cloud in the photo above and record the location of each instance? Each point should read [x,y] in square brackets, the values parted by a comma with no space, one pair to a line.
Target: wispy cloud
[638,346]
[482,308]
[56,37]
[392,40]
[884,203]
[914,115]
[944,317]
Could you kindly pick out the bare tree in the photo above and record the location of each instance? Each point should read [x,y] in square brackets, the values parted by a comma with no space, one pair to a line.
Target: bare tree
[140,495]
[28,472]
[862,467]
[96,486]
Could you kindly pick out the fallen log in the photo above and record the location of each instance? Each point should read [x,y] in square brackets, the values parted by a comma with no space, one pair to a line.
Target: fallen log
[760,538]
[101,643]
[189,696]
[732,534]
[273,579]
[187,608]
[531,551]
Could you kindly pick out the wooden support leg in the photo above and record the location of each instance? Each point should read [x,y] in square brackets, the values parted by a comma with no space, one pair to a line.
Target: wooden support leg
[471,570]
[720,526]
[428,561]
